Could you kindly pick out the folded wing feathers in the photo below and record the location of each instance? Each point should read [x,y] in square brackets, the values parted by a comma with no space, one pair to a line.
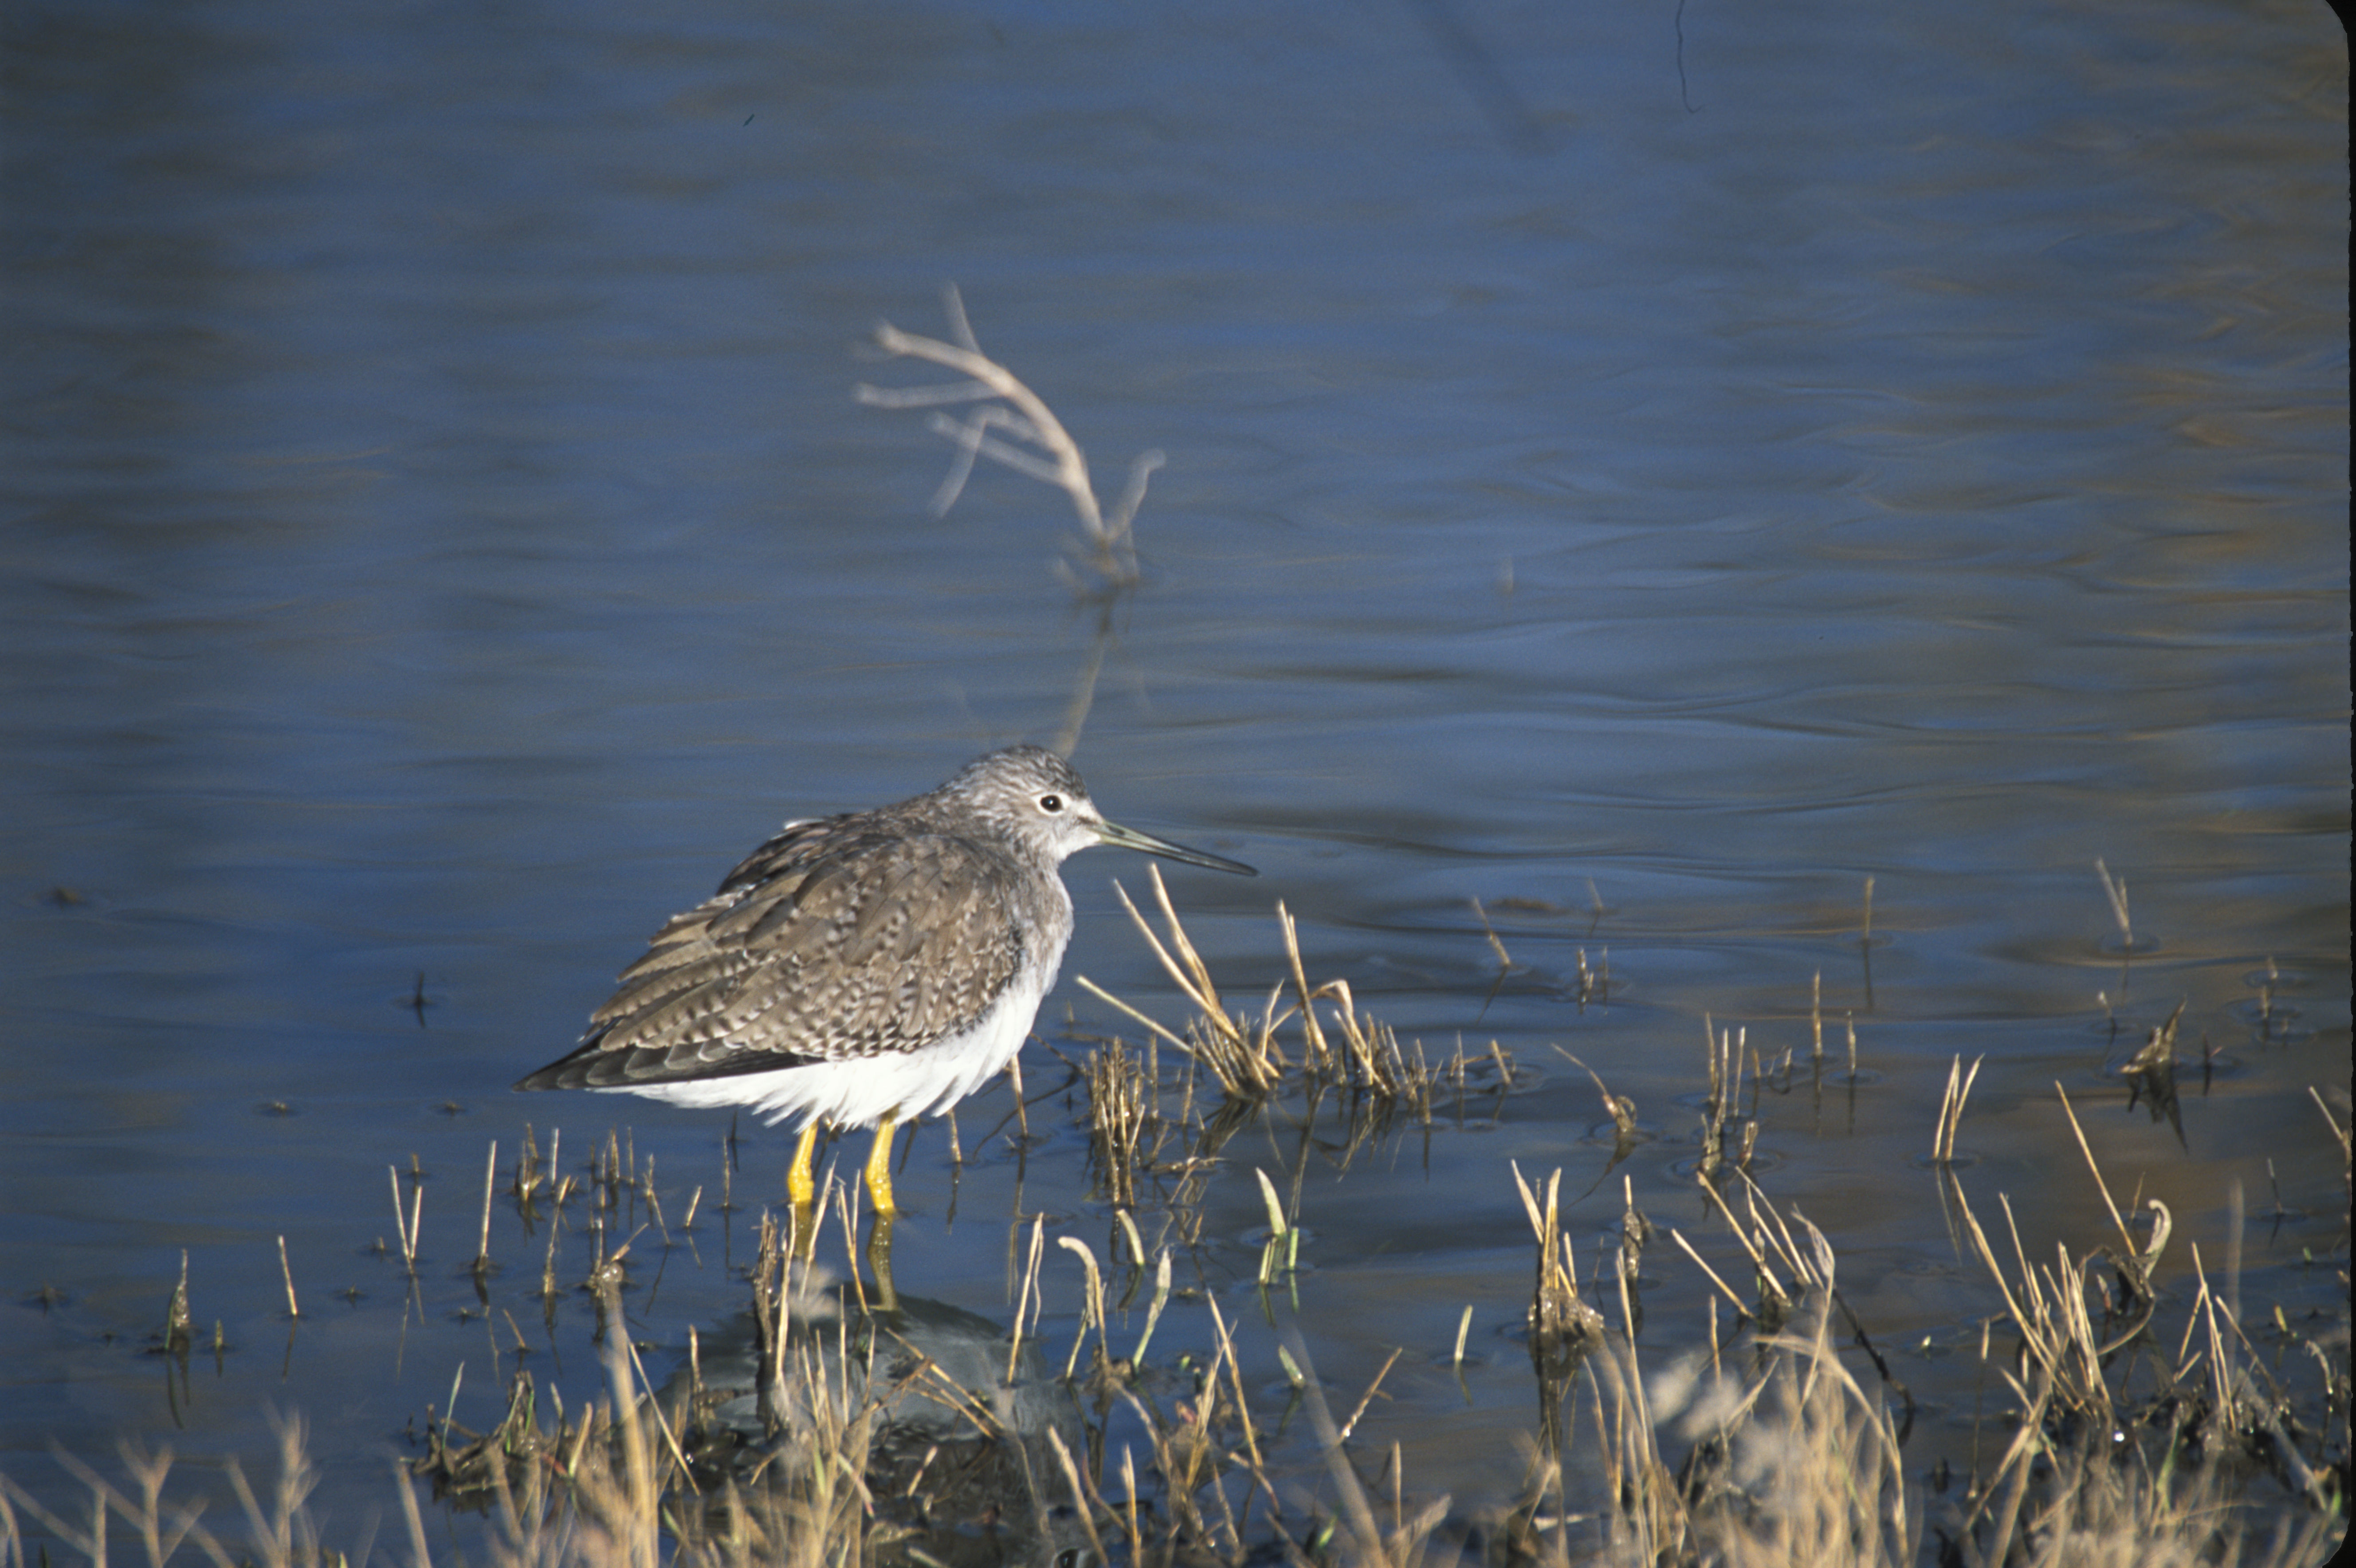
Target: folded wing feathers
[815,951]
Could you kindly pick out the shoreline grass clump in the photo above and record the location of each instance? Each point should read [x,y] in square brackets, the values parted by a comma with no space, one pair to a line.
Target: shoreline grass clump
[1342,1050]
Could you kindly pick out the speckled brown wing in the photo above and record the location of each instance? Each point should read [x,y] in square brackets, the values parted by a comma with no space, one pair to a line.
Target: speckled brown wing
[826,944]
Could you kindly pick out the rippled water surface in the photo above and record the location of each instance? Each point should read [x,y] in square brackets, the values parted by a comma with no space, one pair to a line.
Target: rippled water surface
[1673,480]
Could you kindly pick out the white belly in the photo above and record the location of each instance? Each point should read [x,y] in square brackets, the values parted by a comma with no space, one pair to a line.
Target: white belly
[862,1090]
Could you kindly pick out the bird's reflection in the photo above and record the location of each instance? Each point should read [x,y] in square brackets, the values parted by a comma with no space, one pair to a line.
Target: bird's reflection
[959,1450]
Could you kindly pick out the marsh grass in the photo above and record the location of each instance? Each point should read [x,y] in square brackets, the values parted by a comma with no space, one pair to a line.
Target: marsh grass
[2107,1438]
[1341,1050]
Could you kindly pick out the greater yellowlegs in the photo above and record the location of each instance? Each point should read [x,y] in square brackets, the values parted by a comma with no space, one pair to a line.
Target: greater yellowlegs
[859,969]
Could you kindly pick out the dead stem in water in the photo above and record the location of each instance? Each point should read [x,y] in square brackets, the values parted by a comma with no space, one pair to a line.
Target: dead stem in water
[1012,425]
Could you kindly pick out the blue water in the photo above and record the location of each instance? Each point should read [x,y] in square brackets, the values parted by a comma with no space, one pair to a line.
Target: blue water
[1653,482]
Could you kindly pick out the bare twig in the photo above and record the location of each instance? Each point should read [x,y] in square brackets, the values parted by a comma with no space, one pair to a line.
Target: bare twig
[1011,426]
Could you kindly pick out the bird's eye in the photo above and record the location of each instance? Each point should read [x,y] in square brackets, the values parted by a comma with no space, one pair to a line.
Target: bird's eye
[1051,804]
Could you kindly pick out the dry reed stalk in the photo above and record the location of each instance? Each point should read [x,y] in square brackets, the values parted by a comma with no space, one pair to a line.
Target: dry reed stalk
[1563,1328]
[2067,1360]
[1951,1109]
[407,1226]
[490,1182]
[1247,1066]
[1120,1110]
[1256,1466]
[1153,1311]
[2114,890]
[1030,1300]
[286,1273]
[1092,1304]
[527,1168]
[1318,1057]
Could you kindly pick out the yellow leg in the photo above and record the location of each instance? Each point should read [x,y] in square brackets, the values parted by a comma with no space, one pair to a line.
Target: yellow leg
[879,1167]
[801,1186]
[879,1262]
